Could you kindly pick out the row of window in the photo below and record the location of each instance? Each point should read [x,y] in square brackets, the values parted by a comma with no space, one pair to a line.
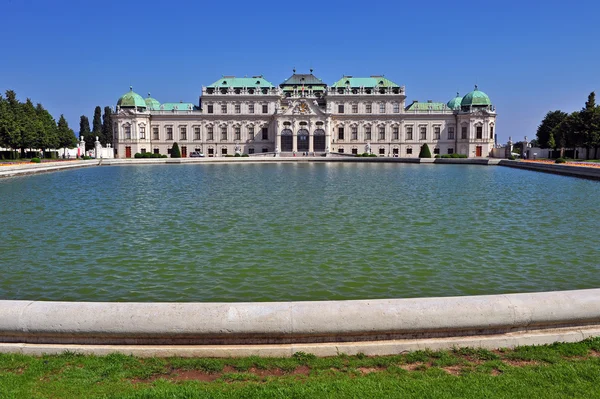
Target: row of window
[184,151]
[210,133]
[396,151]
[237,108]
[368,108]
[410,134]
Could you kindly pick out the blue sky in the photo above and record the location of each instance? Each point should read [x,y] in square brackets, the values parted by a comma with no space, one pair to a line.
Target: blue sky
[529,57]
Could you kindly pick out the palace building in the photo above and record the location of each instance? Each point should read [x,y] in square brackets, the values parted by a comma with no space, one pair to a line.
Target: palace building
[304,115]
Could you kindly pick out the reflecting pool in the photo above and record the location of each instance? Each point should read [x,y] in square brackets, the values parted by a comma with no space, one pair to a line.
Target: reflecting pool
[295,231]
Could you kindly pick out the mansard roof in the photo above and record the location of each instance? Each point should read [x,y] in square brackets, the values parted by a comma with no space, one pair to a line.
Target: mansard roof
[428,106]
[177,107]
[374,80]
[232,81]
[303,78]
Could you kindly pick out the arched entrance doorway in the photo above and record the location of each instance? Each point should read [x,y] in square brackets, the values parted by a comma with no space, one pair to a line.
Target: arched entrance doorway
[319,139]
[287,141]
[303,140]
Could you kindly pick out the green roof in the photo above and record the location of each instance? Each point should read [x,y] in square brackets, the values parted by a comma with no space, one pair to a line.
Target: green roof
[177,107]
[454,104]
[417,106]
[232,81]
[475,98]
[131,99]
[152,104]
[299,79]
[364,82]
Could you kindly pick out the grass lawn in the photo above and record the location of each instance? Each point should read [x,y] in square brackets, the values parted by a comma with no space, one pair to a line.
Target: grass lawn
[551,371]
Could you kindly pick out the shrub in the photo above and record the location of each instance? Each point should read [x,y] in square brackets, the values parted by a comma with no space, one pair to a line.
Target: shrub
[36,160]
[137,155]
[175,153]
[425,153]
[85,157]
[437,156]
[512,157]
[372,155]
[245,155]
[238,154]
[560,160]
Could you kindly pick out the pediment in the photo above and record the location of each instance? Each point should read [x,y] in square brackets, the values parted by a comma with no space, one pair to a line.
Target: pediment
[303,107]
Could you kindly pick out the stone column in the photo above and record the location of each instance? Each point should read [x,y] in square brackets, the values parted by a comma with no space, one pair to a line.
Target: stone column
[327,135]
[311,137]
[277,139]
[294,136]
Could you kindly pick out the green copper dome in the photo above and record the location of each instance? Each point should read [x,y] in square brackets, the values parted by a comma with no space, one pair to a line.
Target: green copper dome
[131,99]
[454,104]
[152,104]
[475,98]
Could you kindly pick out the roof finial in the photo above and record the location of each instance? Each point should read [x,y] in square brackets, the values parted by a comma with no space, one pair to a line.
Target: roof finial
[457,94]
[294,69]
[475,87]
[130,88]
[148,94]
[311,70]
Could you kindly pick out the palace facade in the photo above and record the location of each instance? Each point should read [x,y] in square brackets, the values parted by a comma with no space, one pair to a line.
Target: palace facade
[303,115]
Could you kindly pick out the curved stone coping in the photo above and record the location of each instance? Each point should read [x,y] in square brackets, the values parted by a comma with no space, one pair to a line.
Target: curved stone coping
[31,168]
[559,169]
[102,323]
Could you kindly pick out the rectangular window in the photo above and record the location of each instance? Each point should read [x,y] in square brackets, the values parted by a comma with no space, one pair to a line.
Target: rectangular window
[238,108]
[340,133]
[395,151]
[368,108]
[223,108]
[223,151]
[265,108]
[341,150]
[265,133]
[155,133]
[251,132]
[156,151]
[223,133]
[183,133]
[355,108]
[479,132]
[408,151]
[210,109]
[368,133]
[197,133]
[436,151]
[340,108]
[169,133]
[395,133]
[396,108]
[382,151]
[127,130]
[450,151]
[210,133]
[423,133]
[409,133]
[463,132]
[382,108]
[436,132]
[381,132]
[491,132]
[251,150]
[143,150]
[451,133]
[355,151]
[265,149]
[354,133]
[142,132]
[238,133]
[250,108]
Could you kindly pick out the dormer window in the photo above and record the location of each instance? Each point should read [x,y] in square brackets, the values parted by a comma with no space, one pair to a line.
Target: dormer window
[258,82]
[224,82]
[381,82]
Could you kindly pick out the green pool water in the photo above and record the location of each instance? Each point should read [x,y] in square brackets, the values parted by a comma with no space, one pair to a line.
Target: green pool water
[304,231]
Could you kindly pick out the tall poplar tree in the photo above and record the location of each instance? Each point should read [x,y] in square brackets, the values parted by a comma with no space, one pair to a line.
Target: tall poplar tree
[31,127]
[590,121]
[84,130]
[12,126]
[47,137]
[97,123]
[65,135]
[107,135]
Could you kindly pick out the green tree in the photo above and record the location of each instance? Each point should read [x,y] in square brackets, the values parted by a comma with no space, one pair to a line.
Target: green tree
[47,136]
[97,124]
[551,142]
[31,127]
[84,130]
[590,125]
[550,121]
[175,153]
[107,135]
[425,153]
[12,122]
[66,136]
